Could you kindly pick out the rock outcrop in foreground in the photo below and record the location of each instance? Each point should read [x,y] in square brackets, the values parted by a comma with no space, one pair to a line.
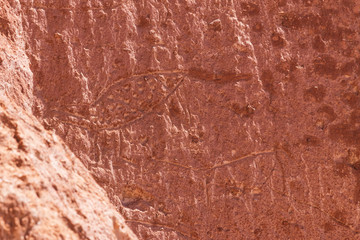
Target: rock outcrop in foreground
[45,191]
[214,119]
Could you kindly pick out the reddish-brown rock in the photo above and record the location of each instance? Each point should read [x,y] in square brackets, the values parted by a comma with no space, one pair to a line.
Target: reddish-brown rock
[203,119]
[45,190]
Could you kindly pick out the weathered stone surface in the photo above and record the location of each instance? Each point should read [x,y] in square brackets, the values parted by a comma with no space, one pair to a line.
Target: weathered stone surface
[207,119]
[15,74]
[45,190]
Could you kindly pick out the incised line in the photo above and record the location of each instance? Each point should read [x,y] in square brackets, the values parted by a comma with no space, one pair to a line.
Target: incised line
[150,111]
[102,92]
[128,123]
[226,163]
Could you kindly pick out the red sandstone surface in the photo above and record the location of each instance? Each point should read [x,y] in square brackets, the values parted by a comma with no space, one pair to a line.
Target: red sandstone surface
[200,119]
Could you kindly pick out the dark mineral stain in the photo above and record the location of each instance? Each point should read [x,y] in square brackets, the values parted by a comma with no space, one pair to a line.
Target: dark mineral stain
[338,131]
[218,76]
[325,65]
[328,111]
[341,169]
[137,204]
[328,227]
[357,186]
[286,67]
[249,8]
[258,27]
[340,216]
[257,232]
[352,99]
[243,111]
[174,108]
[144,21]
[345,132]
[348,3]
[226,77]
[4,27]
[277,40]
[348,68]
[313,21]
[267,79]
[281,3]
[355,117]
[318,44]
[308,3]
[215,25]
[291,20]
[315,93]
[19,162]
[199,73]
[310,140]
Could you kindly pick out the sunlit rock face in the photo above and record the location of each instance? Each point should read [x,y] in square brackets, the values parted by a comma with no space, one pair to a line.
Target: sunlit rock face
[45,190]
[204,119]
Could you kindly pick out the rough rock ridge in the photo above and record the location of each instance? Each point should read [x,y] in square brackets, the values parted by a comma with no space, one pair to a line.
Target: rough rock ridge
[214,119]
[45,190]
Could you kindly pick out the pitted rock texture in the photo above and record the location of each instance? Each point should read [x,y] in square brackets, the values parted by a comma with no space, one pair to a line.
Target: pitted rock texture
[207,119]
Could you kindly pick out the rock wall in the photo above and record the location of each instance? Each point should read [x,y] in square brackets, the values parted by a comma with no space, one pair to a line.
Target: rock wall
[15,74]
[207,119]
[45,190]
